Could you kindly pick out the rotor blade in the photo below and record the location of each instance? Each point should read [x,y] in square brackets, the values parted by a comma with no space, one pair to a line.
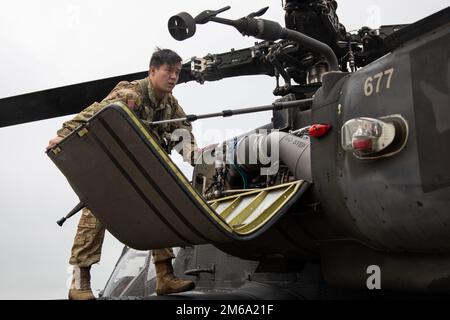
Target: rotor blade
[66,100]
[58,101]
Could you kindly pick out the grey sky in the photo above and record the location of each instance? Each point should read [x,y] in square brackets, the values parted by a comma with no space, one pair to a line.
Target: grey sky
[49,43]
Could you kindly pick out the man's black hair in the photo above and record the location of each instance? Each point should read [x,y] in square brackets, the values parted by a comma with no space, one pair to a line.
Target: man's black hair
[162,56]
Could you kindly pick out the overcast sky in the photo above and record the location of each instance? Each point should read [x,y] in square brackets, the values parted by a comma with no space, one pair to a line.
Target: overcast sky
[50,43]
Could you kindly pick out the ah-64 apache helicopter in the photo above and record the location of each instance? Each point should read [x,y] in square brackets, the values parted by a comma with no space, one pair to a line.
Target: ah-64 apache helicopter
[360,193]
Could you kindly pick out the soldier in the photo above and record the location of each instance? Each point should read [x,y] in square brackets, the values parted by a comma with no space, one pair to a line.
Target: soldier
[151,99]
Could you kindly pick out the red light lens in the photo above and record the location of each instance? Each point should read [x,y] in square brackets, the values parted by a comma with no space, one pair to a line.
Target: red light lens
[319,130]
[362,144]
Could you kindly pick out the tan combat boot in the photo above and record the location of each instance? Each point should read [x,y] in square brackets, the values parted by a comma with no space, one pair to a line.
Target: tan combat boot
[166,282]
[80,289]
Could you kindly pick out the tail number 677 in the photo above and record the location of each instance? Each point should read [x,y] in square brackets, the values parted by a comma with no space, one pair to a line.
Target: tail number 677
[375,83]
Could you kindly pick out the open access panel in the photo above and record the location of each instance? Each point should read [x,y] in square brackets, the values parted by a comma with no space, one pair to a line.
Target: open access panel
[132,186]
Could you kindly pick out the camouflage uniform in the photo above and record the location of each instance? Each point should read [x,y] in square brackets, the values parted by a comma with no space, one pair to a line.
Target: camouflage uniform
[86,249]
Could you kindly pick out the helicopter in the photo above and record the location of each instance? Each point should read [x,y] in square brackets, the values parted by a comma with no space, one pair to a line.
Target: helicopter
[346,121]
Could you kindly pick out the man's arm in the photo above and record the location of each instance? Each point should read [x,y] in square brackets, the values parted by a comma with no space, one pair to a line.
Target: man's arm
[78,120]
[126,92]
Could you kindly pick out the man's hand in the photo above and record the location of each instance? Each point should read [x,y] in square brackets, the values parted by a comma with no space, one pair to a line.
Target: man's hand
[54,141]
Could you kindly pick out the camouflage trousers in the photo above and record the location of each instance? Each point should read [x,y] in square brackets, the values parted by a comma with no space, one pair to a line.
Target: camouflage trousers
[87,245]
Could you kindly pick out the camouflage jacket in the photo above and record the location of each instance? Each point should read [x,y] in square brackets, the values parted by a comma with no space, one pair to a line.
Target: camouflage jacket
[146,107]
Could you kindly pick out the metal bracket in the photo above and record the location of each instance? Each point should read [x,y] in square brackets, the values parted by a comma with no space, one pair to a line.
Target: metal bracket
[83,132]
[196,272]
[56,150]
